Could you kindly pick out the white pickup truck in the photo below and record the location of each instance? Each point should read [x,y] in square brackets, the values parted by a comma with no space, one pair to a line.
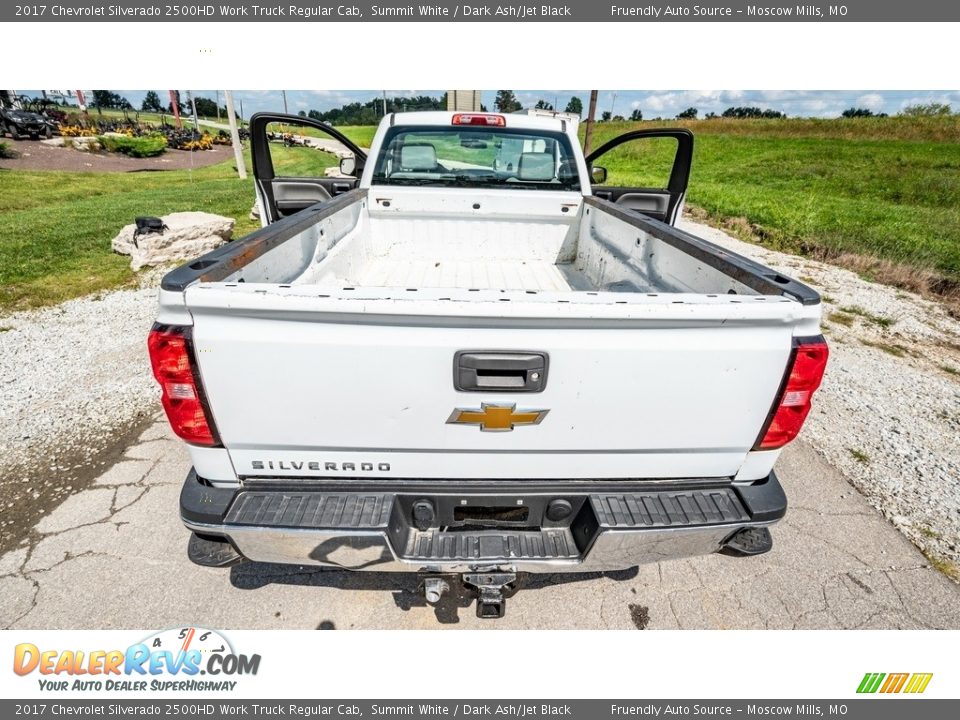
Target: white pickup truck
[475,358]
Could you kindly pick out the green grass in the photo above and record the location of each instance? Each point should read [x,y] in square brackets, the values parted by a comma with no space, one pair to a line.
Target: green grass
[56,226]
[887,188]
[840,318]
[878,320]
[947,567]
[859,455]
[889,348]
[361,135]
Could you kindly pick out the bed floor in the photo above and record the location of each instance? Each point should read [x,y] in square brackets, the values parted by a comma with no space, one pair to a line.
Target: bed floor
[536,275]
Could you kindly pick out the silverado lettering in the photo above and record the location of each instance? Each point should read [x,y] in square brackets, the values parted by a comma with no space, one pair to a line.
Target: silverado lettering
[314,465]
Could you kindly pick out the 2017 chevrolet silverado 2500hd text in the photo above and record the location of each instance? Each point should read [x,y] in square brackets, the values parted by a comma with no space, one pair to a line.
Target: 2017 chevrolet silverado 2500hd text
[476,359]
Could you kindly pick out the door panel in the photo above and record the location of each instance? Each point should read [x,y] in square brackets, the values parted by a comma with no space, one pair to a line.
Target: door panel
[647,171]
[291,156]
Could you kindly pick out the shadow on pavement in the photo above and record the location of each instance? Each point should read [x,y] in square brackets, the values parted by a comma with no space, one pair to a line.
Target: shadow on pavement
[405,587]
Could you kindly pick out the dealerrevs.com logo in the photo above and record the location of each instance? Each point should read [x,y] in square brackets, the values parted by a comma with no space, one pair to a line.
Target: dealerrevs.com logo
[168,660]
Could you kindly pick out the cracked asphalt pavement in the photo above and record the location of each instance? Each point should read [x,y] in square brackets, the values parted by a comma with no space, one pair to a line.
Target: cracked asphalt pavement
[113,555]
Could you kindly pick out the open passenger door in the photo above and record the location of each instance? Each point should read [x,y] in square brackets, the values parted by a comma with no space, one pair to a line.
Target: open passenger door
[291,155]
[660,198]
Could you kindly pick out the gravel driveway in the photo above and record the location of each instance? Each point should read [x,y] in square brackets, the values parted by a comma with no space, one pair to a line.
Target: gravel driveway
[75,389]
[888,413]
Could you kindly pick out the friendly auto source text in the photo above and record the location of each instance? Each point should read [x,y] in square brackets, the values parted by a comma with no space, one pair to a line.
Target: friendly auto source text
[656,11]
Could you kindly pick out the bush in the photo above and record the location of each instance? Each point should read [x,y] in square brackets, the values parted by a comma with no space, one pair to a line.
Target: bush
[748,113]
[931,109]
[7,152]
[138,147]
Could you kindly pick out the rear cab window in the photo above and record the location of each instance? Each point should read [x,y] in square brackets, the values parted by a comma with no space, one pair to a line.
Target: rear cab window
[476,157]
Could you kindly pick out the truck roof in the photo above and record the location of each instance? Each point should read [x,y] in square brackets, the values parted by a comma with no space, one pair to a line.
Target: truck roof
[513,120]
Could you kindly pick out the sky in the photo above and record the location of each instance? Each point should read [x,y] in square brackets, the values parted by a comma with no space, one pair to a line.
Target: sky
[653,103]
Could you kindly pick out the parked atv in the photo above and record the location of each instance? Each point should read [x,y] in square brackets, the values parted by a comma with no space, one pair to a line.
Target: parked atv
[23,123]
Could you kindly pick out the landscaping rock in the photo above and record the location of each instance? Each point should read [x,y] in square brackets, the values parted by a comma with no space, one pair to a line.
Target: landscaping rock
[188,235]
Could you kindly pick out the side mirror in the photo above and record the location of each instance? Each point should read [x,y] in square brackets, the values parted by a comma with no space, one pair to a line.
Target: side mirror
[348,165]
[598,175]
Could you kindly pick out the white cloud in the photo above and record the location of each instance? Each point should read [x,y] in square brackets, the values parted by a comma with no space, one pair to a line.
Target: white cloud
[871,101]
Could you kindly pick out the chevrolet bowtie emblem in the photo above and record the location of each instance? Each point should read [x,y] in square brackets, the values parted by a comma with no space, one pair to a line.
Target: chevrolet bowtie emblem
[496,418]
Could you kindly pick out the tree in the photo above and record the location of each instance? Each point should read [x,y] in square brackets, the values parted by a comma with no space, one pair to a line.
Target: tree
[151,102]
[575,106]
[506,102]
[931,109]
[636,115]
[856,112]
[110,100]
[370,112]
[543,105]
[688,114]
[744,113]
[207,107]
[605,116]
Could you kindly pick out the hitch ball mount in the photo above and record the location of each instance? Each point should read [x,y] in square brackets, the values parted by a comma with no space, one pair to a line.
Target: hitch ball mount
[491,589]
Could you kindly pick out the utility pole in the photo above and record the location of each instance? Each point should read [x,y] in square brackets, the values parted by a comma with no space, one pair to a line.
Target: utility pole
[285,111]
[241,112]
[218,105]
[588,131]
[235,136]
[612,104]
[384,103]
[193,106]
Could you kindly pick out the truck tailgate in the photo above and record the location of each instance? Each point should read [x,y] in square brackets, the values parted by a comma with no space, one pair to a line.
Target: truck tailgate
[293,395]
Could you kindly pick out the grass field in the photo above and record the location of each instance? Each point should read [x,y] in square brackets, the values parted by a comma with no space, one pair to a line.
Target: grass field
[56,227]
[881,196]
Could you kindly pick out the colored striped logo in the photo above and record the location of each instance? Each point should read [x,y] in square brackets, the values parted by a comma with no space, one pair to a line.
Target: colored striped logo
[894,683]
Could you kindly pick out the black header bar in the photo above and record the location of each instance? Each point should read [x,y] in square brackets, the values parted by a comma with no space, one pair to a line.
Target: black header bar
[505,11]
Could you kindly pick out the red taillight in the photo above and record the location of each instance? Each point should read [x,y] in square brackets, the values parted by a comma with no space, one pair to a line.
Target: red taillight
[479,119]
[170,356]
[807,363]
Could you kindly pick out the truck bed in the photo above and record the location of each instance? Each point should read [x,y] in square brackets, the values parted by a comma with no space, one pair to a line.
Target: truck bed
[411,241]
[412,246]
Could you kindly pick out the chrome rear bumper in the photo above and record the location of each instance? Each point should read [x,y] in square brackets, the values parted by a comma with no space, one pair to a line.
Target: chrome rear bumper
[610,525]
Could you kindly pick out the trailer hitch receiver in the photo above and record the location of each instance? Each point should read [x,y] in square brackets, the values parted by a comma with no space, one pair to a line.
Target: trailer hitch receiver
[492,590]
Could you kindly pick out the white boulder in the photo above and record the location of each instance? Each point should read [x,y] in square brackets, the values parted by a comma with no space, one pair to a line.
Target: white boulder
[187,236]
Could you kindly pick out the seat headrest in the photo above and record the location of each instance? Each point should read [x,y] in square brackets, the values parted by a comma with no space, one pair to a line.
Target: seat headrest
[418,157]
[535,166]
[568,170]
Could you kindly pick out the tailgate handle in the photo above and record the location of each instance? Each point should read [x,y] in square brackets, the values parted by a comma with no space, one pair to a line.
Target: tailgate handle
[499,371]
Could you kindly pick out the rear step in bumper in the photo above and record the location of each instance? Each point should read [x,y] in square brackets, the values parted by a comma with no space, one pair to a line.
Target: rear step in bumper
[608,526]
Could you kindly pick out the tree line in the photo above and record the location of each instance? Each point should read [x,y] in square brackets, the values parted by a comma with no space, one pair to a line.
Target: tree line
[506,101]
